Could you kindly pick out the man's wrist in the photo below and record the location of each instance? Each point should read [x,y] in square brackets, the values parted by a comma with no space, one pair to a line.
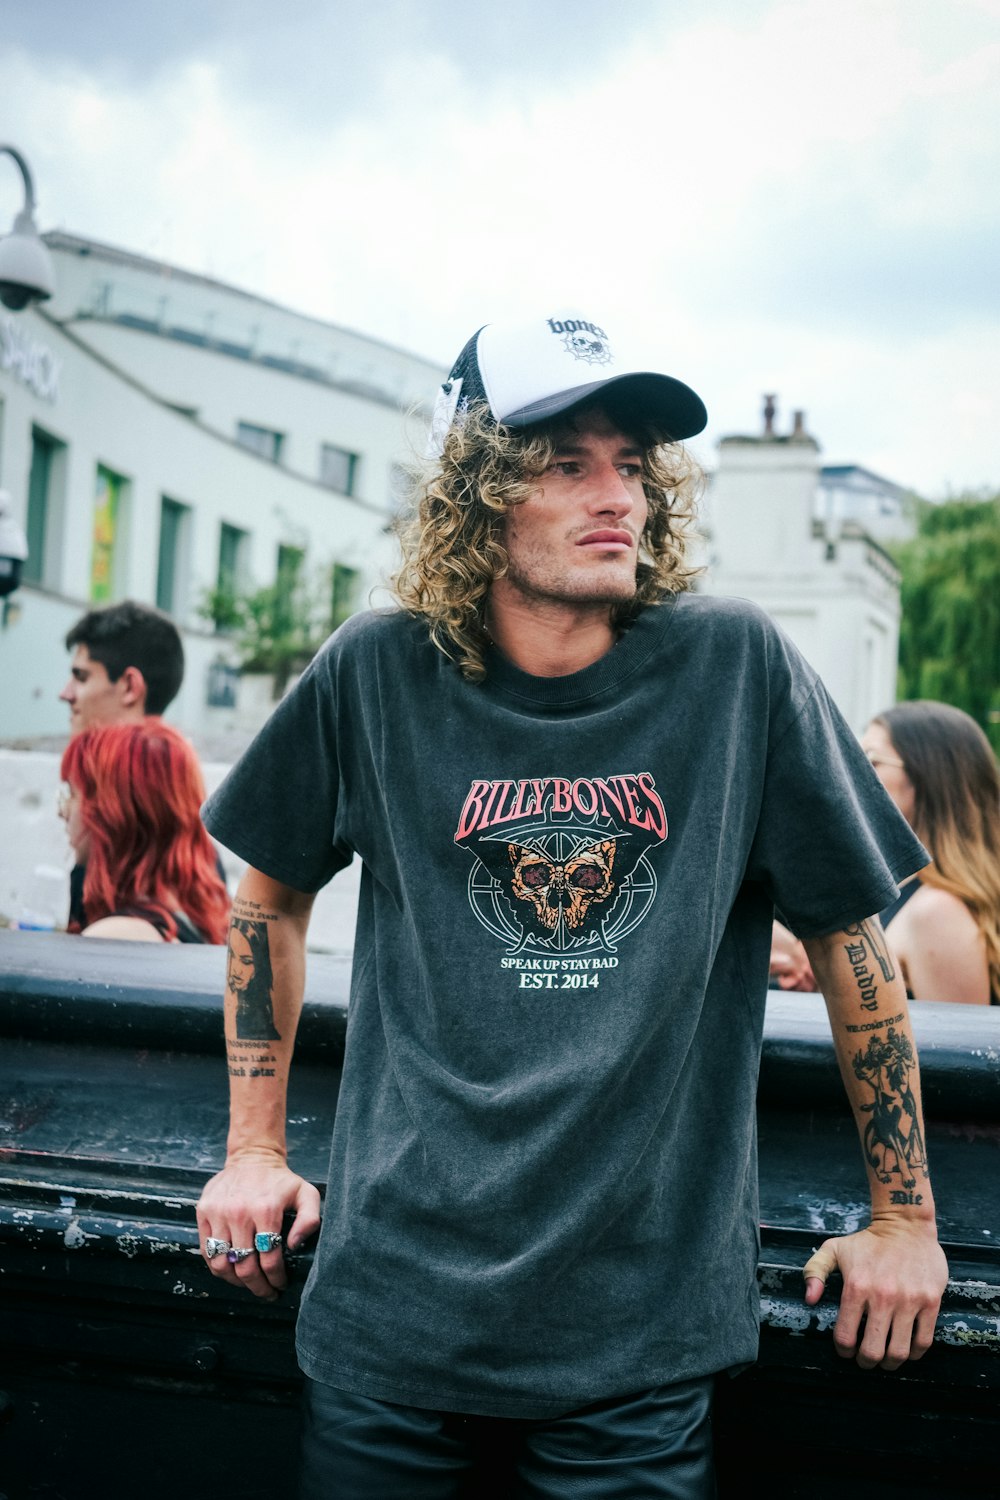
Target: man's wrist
[271,1155]
[916,1216]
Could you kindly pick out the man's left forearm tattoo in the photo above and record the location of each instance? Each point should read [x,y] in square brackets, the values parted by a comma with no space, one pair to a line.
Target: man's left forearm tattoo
[867,953]
[893,1141]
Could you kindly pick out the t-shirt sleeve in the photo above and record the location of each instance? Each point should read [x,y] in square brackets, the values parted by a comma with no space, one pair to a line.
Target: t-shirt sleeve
[830,845]
[281,806]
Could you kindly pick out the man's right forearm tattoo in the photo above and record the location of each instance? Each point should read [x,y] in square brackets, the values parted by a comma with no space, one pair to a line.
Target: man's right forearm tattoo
[249,976]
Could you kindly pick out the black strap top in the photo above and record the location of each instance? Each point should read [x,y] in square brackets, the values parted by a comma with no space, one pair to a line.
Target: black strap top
[187,932]
[895,907]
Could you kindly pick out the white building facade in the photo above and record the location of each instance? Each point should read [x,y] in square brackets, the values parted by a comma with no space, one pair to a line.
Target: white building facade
[829,584]
[163,436]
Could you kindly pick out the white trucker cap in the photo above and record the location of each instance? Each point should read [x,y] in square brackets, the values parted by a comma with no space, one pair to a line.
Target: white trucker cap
[527,372]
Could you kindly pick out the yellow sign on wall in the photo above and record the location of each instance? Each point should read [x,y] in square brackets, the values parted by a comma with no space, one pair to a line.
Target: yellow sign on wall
[107,501]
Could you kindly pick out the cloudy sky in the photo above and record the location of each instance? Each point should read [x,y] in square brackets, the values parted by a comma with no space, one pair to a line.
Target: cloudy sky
[797,196]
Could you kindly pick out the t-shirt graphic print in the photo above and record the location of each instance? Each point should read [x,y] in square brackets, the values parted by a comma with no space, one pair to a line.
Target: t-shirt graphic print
[560,874]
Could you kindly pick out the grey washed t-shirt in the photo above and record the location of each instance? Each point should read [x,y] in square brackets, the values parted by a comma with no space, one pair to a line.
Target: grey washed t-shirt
[542,1186]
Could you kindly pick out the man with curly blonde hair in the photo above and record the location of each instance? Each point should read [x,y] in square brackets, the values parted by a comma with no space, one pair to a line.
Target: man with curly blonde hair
[579,789]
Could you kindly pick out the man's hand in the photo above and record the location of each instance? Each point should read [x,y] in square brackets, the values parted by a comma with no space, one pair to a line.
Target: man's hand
[250,1196]
[894,1274]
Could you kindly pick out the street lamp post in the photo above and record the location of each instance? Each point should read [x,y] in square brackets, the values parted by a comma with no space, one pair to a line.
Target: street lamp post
[26,273]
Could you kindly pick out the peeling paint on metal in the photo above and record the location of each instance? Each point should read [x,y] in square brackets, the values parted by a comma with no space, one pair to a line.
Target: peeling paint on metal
[128,1245]
[796,1317]
[75,1237]
[982,1291]
[829,1217]
[964,1337]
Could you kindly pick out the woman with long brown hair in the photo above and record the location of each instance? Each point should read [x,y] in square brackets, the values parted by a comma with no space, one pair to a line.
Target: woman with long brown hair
[132,805]
[939,769]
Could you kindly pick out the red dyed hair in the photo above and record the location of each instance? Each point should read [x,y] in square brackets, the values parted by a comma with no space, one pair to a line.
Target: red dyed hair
[141,791]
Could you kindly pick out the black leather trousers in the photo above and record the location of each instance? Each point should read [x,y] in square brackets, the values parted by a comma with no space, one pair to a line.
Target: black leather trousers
[655,1443]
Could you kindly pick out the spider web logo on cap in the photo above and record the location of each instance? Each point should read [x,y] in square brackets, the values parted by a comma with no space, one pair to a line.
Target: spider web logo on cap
[588,347]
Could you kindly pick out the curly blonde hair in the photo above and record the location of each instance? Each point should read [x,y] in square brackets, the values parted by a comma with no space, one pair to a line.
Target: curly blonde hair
[452,535]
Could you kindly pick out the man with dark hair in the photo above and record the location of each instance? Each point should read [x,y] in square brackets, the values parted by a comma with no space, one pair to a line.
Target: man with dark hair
[128,662]
[578,791]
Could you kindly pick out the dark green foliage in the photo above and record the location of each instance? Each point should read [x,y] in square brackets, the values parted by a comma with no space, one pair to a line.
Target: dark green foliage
[277,629]
[949,646]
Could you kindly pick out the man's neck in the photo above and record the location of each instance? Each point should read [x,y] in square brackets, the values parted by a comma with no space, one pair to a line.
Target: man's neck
[548,638]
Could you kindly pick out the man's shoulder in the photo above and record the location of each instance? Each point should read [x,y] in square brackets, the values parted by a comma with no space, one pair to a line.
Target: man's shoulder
[375,631]
[724,610]
[740,642]
[723,617]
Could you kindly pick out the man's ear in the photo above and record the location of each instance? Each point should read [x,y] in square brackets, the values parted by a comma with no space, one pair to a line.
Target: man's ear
[132,686]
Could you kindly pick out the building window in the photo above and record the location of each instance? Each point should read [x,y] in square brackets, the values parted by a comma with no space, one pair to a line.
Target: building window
[338,468]
[171,563]
[232,558]
[343,594]
[43,521]
[107,558]
[289,571]
[287,582]
[260,440]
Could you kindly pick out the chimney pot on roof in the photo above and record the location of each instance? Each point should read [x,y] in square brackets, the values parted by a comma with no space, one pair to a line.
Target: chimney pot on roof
[770,408]
[799,427]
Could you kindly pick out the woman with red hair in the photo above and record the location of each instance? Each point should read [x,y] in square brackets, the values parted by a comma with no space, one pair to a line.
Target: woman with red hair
[132,806]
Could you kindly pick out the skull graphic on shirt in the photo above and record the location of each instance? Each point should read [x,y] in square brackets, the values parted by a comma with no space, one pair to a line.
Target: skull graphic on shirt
[566,888]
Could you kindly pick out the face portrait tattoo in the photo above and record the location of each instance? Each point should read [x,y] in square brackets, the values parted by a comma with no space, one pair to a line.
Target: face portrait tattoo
[241,962]
[250,980]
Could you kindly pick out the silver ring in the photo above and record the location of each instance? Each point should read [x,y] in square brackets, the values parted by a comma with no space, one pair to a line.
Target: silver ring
[214,1247]
[265,1242]
[234,1255]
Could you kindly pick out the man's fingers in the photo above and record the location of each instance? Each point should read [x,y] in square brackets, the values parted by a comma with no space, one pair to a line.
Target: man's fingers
[249,1272]
[847,1329]
[817,1269]
[923,1332]
[872,1349]
[900,1344]
[245,1205]
[307,1216]
[214,1245]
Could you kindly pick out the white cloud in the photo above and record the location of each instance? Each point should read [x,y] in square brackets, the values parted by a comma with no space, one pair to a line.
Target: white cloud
[800,199]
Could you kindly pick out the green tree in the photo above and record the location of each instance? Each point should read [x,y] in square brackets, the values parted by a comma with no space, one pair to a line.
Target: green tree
[949,646]
[277,629]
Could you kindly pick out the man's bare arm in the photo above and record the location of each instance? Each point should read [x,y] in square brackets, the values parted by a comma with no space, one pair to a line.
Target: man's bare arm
[894,1272]
[264,988]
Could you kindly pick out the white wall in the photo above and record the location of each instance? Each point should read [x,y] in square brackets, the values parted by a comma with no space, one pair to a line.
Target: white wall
[105,419]
[837,596]
[226,391]
[109,405]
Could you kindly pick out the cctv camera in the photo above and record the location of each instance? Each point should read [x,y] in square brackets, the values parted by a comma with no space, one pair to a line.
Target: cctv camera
[26,273]
[13,547]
